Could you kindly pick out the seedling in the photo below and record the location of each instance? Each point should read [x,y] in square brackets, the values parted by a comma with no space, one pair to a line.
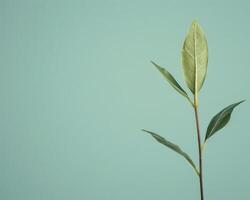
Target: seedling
[194,62]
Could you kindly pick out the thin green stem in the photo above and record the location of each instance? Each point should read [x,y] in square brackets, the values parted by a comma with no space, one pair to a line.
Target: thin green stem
[200,151]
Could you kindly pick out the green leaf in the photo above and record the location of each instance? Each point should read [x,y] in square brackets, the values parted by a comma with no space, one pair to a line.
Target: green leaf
[220,120]
[172,81]
[174,147]
[195,58]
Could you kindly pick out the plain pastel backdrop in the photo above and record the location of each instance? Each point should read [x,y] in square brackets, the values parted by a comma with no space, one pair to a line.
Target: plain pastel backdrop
[77,85]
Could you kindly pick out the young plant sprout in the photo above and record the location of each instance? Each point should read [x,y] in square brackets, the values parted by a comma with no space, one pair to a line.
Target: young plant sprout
[194,61]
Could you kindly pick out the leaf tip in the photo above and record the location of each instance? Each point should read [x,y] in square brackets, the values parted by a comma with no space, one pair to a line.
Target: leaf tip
[154,63]
[157,66]
[241,101]
[144,130]
[194,22]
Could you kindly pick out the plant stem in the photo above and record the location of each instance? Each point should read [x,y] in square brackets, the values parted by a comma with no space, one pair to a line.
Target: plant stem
[200,150]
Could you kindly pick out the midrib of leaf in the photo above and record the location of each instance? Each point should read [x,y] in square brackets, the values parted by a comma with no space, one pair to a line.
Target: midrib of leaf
[196,69]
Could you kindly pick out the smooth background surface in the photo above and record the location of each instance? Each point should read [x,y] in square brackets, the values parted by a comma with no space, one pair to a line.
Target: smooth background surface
[76,87]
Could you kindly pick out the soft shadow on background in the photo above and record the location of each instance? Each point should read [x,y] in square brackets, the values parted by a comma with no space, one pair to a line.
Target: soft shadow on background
[76,87]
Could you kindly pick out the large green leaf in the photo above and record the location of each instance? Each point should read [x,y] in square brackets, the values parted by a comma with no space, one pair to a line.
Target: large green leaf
[174,147]
[220,120]
[171,80]
[195,57]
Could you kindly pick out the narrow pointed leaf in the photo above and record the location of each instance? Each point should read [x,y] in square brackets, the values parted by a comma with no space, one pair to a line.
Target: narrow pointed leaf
[195,57]
[174,147]
[220,120]
[171,80]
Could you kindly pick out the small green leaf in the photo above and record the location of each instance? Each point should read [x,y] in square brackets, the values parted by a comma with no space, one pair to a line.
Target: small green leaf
[220,120]
[172,81]
[195,58]
[174,147]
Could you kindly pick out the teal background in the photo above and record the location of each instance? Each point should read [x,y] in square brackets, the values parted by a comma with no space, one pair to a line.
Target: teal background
[76,87]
